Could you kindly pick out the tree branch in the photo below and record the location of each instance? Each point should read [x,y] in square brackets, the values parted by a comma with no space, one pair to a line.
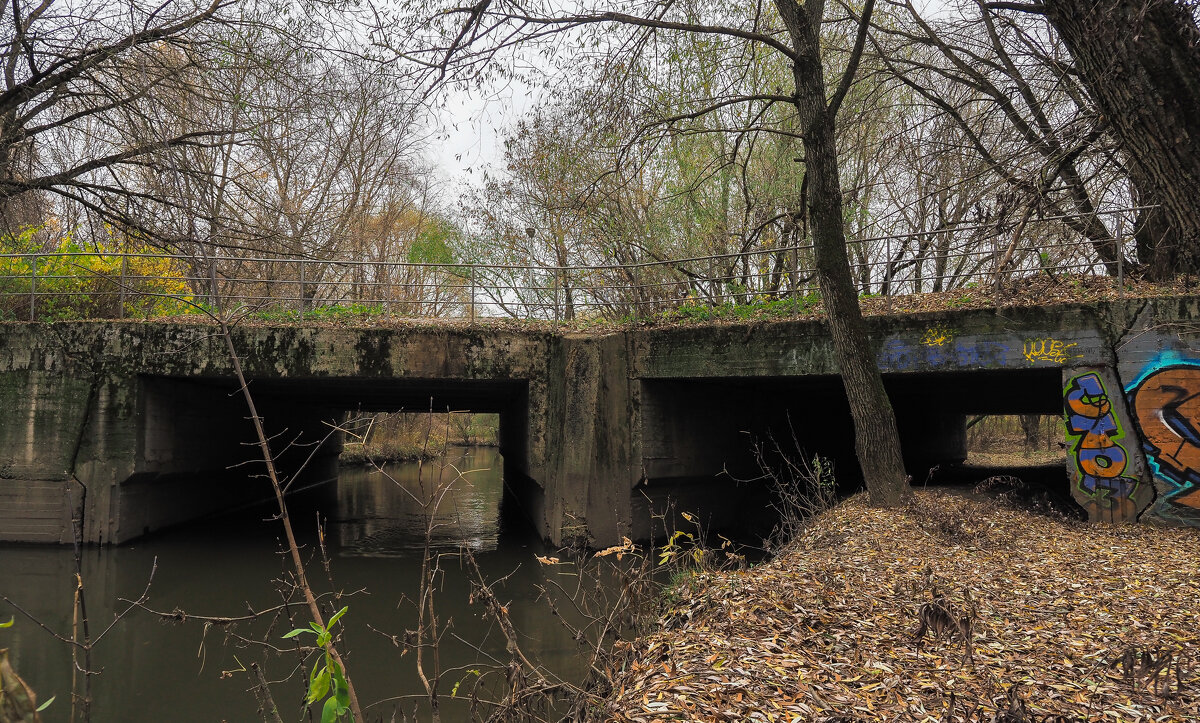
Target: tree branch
[625,19]
[864,24]
[1032,8]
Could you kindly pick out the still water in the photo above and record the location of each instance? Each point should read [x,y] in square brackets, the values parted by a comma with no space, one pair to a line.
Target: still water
[374,531]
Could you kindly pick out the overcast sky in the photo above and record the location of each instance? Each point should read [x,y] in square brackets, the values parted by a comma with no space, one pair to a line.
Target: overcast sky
[472,127]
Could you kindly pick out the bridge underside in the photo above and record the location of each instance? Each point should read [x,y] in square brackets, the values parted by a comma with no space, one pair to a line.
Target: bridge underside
[702,438]
[131,427]
[197,445]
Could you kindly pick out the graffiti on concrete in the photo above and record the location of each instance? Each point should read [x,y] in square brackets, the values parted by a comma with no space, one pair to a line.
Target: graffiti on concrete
[938,335]
[901,355]
[1094,430]
[1049,350]
[1166,406]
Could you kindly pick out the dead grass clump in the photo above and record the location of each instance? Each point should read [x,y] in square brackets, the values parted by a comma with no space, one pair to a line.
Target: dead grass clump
[954,518]
[1010,491]
[801,486]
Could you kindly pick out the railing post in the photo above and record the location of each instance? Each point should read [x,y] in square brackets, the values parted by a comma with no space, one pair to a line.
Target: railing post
[124,274]
[996,268]
[556,285]
[637,292]
[795,271]
[940,262]
[389,271]
[797,291]
[1120,247]
[887,275]
[472,267]
[529,289]
[212,282]
[300,301]
[33,289]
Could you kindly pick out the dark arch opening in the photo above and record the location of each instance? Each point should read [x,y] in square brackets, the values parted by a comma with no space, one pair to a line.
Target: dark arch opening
[697,436]
[197,448]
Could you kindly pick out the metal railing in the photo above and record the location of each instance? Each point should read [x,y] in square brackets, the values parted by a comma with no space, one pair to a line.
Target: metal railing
[56,285]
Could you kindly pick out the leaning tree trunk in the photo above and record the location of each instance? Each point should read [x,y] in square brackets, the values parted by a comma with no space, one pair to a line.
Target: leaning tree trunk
[1140,61]
[876,438]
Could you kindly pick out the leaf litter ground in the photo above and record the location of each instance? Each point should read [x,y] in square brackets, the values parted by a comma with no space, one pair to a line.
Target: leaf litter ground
[1086,621]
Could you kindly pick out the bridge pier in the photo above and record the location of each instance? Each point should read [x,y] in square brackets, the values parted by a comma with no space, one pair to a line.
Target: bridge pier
[1105,463]
[124,456]
[67,442]
[590,455]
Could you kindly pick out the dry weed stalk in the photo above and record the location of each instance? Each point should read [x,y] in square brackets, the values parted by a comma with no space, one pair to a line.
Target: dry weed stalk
[279,488]
[603,599]
[801,486]
[426,639]
[940,617]
[1158,669]
[611,597]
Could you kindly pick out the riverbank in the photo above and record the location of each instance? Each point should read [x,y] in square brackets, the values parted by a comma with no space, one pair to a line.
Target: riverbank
[1090,622]
[384,453]
[385,438]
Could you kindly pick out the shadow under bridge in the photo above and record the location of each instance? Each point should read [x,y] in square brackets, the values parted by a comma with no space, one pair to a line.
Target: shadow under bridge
[199,453]
[707,443]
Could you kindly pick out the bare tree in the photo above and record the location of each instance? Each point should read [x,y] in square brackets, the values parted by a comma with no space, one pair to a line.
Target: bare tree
[1012,93]
[71,72]
[1140,62]
[317,159]
[474,38]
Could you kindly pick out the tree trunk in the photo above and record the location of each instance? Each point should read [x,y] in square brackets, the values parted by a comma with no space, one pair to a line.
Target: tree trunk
[1030,431]
[876,439]
[1140,61]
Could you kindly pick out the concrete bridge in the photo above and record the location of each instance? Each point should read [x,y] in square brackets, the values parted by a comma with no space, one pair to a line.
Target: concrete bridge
[134,425]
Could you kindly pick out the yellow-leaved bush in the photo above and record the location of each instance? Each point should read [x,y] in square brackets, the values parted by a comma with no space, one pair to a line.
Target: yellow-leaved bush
[65,280]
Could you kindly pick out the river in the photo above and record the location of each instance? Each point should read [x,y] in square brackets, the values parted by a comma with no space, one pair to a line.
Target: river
[150,670]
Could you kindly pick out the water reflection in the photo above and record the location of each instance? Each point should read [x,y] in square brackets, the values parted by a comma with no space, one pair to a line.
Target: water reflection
[382,512]
[155,671]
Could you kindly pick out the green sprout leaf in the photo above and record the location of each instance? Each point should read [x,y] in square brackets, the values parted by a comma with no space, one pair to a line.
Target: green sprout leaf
[319,686]
[336,616]
[327,680]
[329,713]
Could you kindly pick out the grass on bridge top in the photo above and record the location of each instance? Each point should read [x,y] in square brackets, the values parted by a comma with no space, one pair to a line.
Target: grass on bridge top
[1042,290]
[1092,622]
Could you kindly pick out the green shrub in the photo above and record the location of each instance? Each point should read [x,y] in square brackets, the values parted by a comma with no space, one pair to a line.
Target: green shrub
[89,283]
